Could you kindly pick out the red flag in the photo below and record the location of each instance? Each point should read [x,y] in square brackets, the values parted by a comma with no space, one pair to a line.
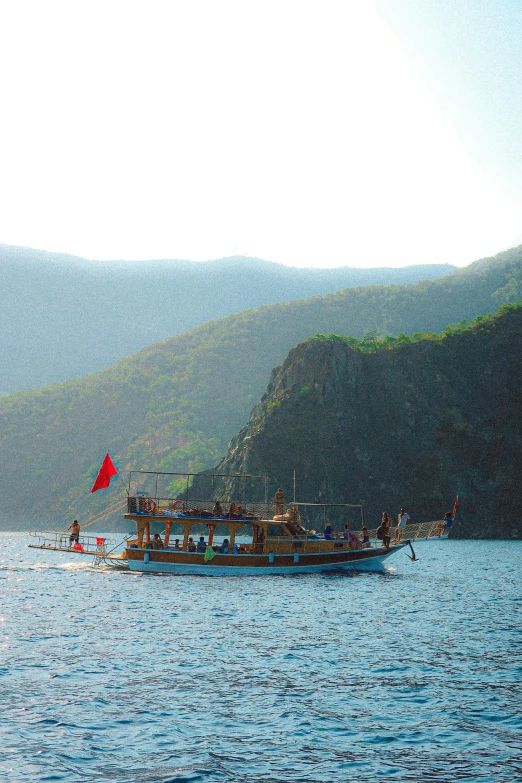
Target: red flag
[455,506]
[105,473]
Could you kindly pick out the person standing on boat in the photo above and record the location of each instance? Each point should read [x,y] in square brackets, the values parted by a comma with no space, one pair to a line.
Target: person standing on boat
[403,518]
[402,521]
[74,538]
[385,527]
[279,500]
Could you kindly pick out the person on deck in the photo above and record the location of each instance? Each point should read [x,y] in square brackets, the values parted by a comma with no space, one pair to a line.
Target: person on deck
[329,533]
[279,500]
[346,531]
[177,545]
[191,547]
[448,519]
[365,536]
[402,521]
[74,538]
[217,511]
[386,529]
[201,545]
[224,546]
[156,542]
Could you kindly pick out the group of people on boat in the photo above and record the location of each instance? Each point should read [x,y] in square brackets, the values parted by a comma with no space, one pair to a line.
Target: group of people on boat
[346,534]
[156,542]
[234,511]
[385,529]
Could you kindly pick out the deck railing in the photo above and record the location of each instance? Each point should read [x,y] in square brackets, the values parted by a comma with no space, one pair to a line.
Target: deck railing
[414,531]
[177,508]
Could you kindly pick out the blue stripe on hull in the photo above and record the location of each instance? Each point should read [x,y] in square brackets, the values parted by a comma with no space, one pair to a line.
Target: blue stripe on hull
[367,564]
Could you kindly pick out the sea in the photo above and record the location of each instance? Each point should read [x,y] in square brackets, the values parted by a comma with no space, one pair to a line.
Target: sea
[413,674]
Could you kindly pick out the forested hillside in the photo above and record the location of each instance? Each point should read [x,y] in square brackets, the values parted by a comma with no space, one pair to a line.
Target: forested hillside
[175,405]
[63,316]
[397,424]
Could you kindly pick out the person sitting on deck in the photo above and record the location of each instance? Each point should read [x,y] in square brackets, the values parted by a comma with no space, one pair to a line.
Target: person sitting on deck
[191,547]
[74,538]
[201,545]
[355,541]
[346,531]
[224,546]
[156,542]
[240,511]
[365,536]
[329,533]
[232,511]
[448,519]
[217,511]
[177,545]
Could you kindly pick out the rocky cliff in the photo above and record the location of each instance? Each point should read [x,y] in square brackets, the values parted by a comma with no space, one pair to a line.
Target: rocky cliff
[413,426]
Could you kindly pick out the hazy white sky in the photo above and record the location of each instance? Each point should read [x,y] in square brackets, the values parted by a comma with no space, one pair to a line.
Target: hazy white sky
[375,133]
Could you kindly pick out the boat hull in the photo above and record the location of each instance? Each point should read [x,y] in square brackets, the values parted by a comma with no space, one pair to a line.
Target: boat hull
[164,562]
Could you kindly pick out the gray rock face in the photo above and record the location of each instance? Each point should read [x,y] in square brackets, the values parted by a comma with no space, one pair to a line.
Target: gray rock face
[411,427]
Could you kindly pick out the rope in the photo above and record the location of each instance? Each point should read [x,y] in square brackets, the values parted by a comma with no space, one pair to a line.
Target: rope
[103,514]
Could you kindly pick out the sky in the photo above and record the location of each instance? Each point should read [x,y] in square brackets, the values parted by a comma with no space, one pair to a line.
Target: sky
[311,134]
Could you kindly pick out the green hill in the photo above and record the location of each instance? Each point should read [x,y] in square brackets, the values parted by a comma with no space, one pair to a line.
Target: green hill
[63,316]
[175,405]
[407,424]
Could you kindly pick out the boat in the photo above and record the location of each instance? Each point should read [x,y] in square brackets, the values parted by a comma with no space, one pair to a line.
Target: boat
[225,525]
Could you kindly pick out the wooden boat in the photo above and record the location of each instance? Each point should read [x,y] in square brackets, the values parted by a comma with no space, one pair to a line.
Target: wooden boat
[257,537]
[237,537]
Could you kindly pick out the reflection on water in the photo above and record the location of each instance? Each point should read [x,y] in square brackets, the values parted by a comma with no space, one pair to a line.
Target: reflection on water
[409,675]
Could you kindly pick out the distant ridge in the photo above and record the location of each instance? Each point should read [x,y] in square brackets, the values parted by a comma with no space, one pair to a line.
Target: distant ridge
[64,316]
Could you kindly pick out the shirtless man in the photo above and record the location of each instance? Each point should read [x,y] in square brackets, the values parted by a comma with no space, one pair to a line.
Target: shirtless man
[75,533]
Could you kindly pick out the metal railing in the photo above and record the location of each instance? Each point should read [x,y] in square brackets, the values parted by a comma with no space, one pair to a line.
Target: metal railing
[61,542]
[198,508]
[413,532]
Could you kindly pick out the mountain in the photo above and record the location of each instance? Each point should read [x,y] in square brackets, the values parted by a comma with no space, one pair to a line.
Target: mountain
[412,424]
[175,405]
[63,316]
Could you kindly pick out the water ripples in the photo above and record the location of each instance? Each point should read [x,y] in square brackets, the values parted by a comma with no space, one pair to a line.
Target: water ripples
[404,676]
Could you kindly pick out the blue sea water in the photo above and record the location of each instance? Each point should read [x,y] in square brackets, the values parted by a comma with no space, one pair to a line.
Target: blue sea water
[410,675]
